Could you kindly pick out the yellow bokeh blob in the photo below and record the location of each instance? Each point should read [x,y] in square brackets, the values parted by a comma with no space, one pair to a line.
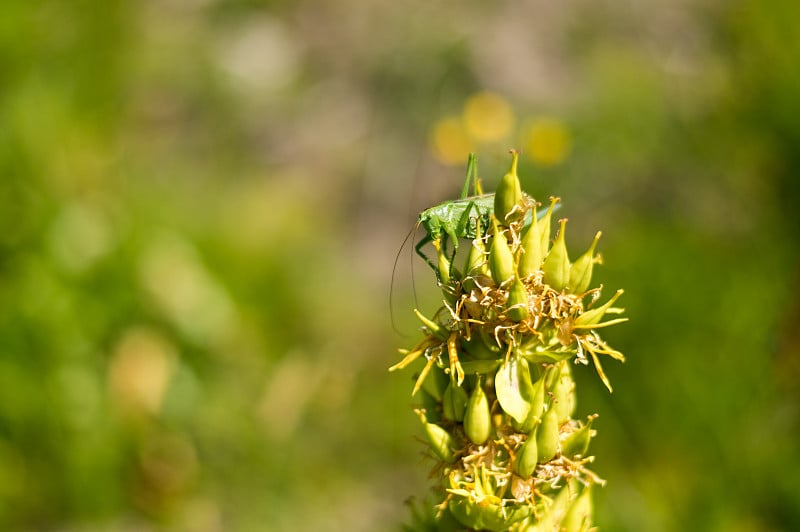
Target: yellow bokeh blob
[548,141]
[449,141]
[487,117]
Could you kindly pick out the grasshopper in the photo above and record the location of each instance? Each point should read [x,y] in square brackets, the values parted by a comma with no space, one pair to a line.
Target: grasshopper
[461,218]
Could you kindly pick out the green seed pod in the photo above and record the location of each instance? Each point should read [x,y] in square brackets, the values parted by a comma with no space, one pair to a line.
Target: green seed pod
[476,260]
[593,316]
[527,457]
[517,301]
[441,442]
[564,395]
[577,443]
[580,273]
[547,436]
[579,516]
[501,260]
[477,417]
[544,227]
[536,407]
[533,254]
[556,264]
[513,388]
[508,197]
[454,402]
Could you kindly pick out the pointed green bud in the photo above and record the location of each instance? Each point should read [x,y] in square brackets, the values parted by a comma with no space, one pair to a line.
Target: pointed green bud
[454,402]
[577,443]
[593,316]
[508,197]
[556,264]
[579,516]
[532,252]
[544,223]
[434,328]
[547,436]
[536,407]
[476,260]
[580,273]
[527,457]
[564,394]
[517,301]
[501,260]
[477,417]
[441,442]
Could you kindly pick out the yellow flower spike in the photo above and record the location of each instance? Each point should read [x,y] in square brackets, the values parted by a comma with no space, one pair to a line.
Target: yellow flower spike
[477,417]
[501,260]
[508,205]
[556,264]
[580,273]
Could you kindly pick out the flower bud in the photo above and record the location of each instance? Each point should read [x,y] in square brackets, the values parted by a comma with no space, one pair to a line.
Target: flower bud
[547,436]
[580,274]
[564,394]
[454,402]
[579,516]
[531,245]
[441,442]
[501,260]
[536,407]
[476,259]
[477,417]
[577,443]
[508,197]
[544,227]
[527,457]
[556,264]
[517,301]
[593,316]
[434,328]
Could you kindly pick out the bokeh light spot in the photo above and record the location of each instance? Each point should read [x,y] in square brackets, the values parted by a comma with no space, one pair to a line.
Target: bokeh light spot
[548,141]
[488,117]
[449,141]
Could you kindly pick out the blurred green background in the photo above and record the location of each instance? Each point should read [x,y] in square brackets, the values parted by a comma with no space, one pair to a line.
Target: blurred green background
[201,202]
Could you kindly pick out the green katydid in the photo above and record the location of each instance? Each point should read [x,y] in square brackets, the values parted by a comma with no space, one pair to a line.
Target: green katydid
[461,218]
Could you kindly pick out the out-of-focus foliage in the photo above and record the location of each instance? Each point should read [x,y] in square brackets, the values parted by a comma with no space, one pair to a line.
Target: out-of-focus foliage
[200,204]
